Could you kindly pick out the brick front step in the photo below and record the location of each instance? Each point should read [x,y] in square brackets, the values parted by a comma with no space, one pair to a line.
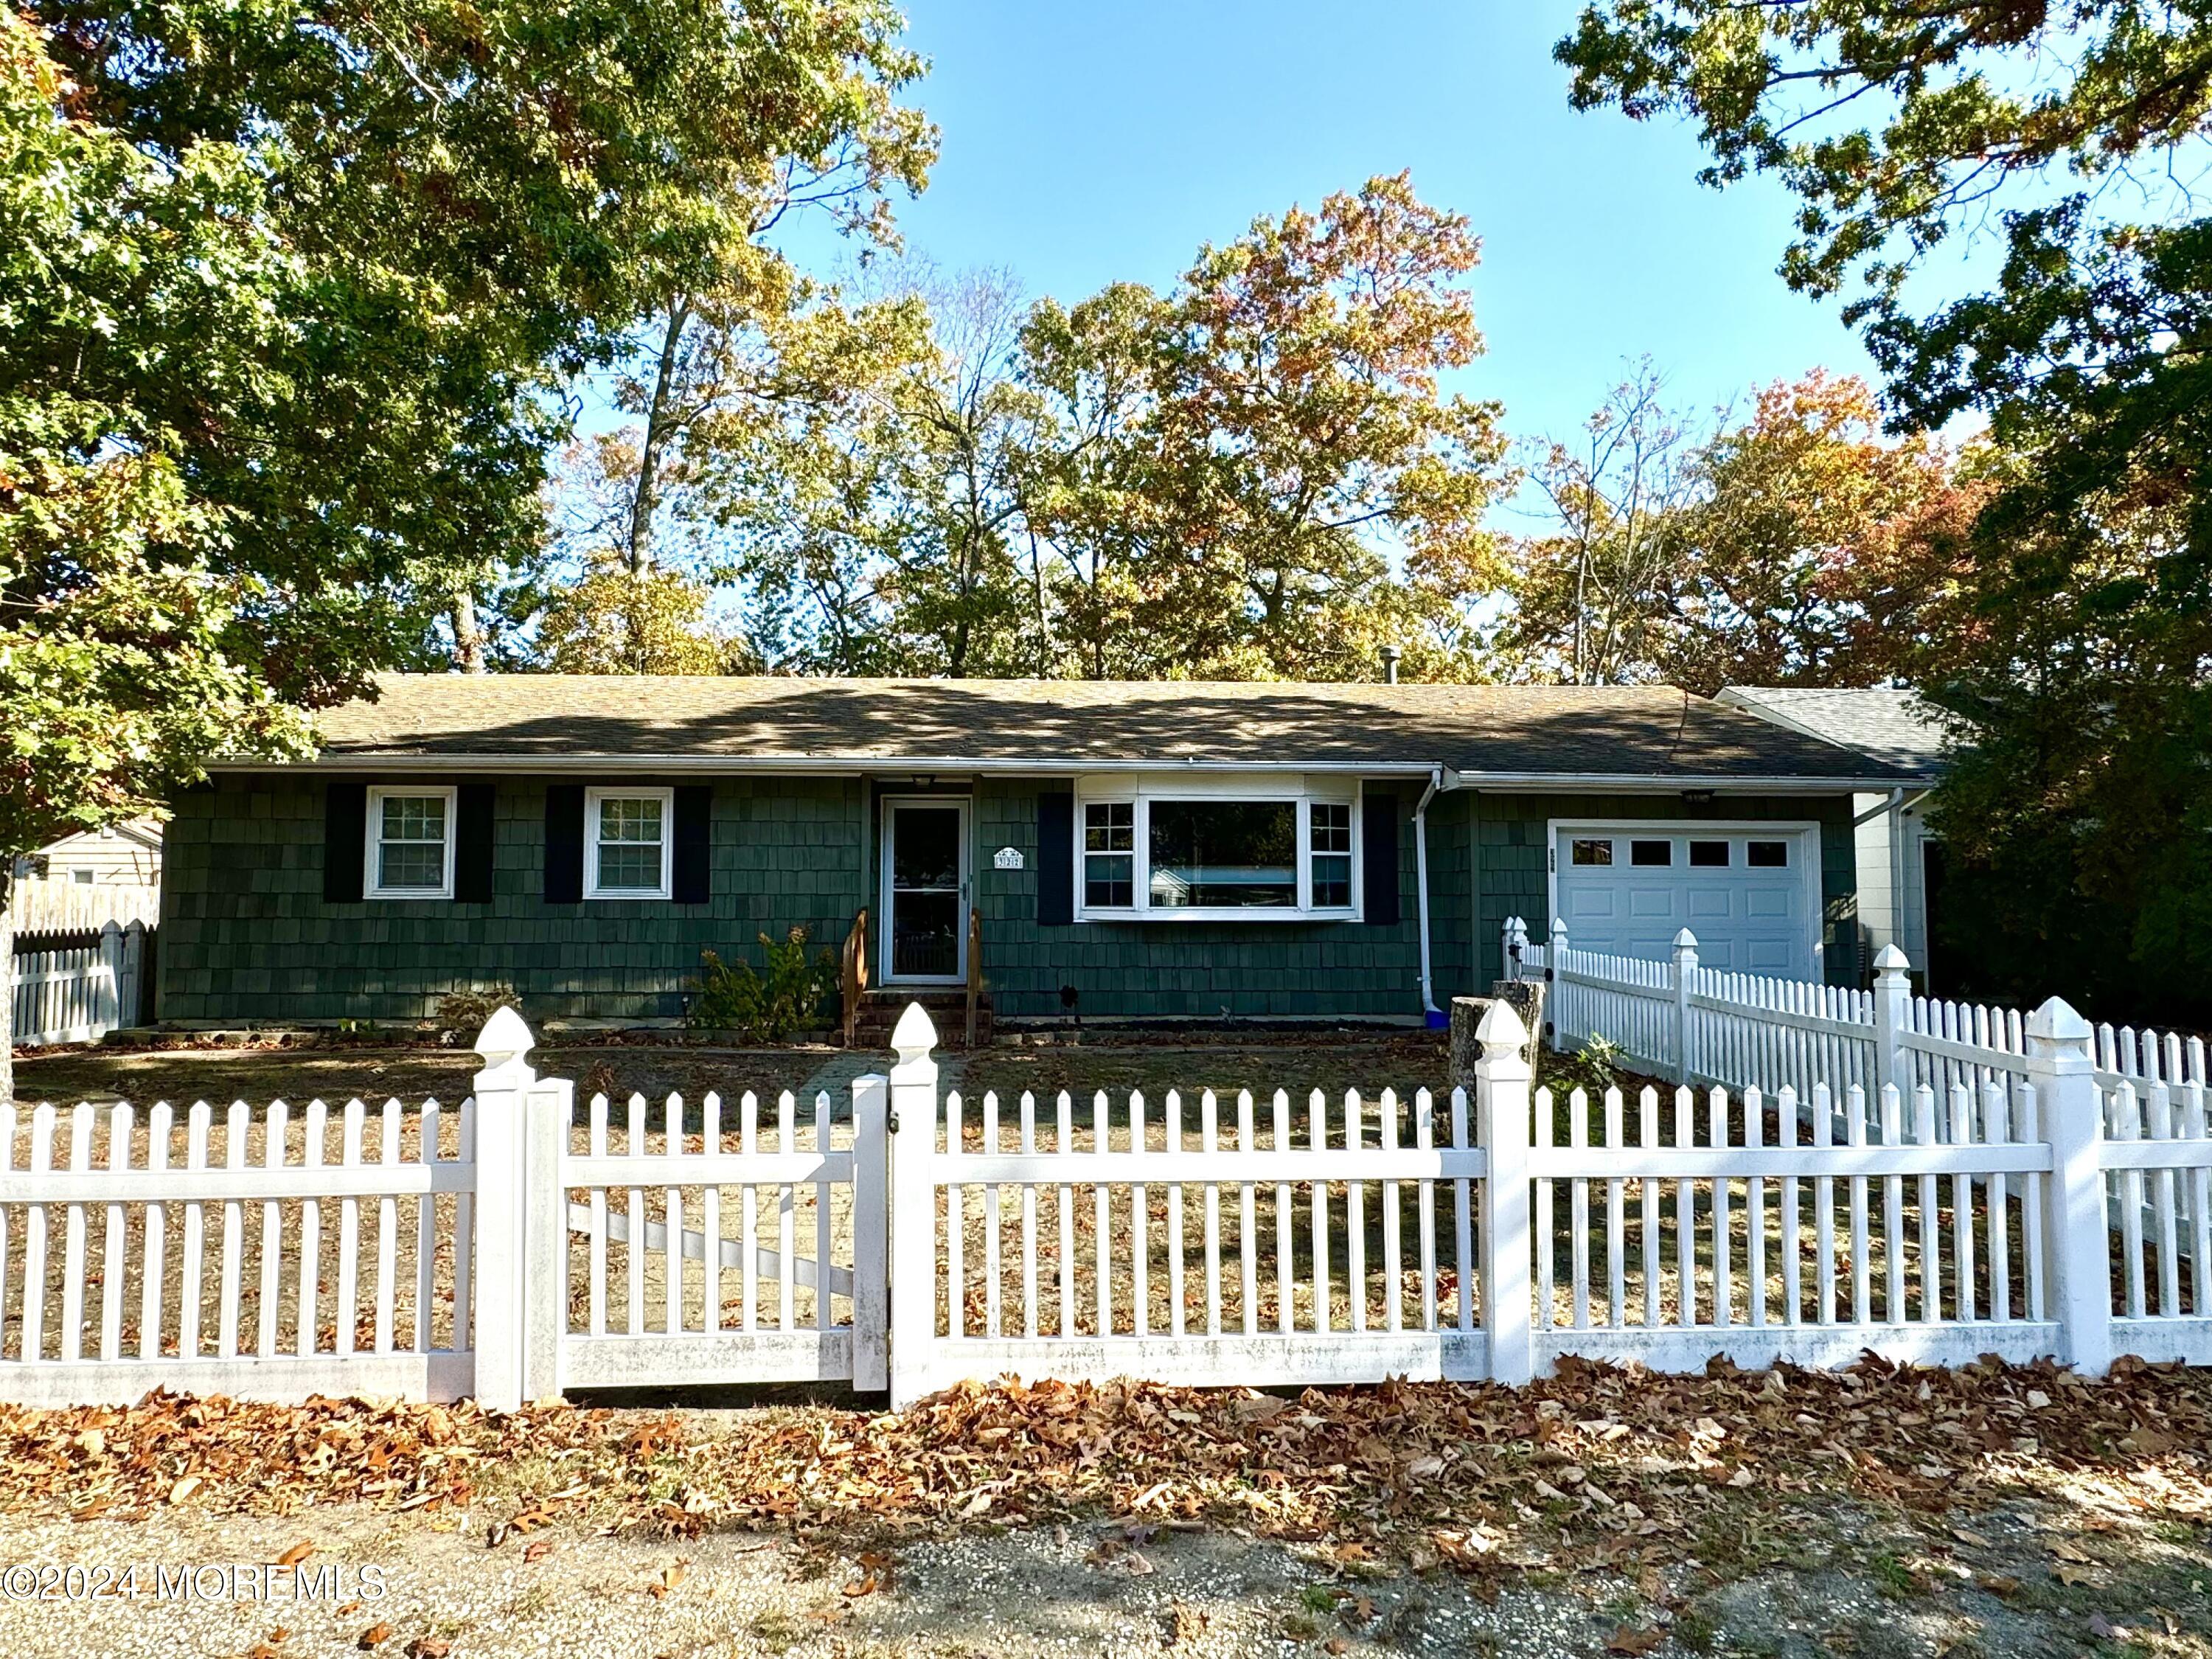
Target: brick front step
[948,1012]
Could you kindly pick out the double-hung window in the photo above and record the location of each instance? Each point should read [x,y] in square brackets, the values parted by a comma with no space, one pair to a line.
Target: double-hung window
[1329,835]
[626,843]
[1109,855]
[1166,853]
[410,843]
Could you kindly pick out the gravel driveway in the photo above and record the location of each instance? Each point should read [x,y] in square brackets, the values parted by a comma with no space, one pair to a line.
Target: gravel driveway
[396,1584]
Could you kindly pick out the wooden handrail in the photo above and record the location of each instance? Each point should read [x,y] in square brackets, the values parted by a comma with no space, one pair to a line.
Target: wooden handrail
[853,972]
[975,969]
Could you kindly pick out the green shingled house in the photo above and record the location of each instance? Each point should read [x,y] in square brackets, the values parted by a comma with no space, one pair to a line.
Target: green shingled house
[1155,850]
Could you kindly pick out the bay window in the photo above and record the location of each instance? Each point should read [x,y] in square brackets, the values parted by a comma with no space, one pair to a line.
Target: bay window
[1171,851]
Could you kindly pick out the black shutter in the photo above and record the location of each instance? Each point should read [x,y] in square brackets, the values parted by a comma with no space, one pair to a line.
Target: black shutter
[1378,834]
[564,843]
[345,843]
[472,844]
[1055,858]
[692,881]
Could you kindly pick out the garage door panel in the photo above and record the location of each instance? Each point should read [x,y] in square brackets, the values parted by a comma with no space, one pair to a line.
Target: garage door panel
[1711,904]
[1771,956]
[1767,902]
[1591,904]
[1647,903]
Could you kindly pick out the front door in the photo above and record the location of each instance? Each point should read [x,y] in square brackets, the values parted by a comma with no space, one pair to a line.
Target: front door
[925,890]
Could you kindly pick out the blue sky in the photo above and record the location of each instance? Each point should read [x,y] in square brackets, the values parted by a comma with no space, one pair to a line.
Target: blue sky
[1088,143]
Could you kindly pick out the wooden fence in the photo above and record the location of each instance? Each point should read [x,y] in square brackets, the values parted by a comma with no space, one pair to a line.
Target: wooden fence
[37,905]
[510,1251]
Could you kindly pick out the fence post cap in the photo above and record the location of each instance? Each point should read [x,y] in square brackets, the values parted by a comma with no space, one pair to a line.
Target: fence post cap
[914,1035]
[504,1039]
[1685,940]
[2056,1022]
[1500,1031]
[1891,960]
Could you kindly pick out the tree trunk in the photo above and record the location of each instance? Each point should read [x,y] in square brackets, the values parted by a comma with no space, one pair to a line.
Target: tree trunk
[468,634]
[657,434]
[7,978]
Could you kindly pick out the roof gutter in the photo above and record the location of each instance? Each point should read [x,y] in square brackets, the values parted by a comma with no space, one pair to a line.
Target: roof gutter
[849,766]
[841,765]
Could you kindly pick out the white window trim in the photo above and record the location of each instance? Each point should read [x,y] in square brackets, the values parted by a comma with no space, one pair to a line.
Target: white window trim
[667,797]
[1142,789]
[371,839]
[1806,832]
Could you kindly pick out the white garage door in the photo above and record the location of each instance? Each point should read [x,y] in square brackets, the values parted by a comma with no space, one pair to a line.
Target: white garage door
[1747,894]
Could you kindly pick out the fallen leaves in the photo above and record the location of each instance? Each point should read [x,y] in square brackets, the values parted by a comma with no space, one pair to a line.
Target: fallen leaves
[1441,1472]
[375,1637]
[1635,1640]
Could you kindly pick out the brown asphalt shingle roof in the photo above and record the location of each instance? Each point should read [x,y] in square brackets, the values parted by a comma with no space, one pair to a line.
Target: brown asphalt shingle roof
[1625,731]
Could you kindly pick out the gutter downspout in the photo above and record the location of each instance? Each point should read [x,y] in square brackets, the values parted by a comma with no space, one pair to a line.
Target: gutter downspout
[1432,1015]
[1900,873]
[1897,867]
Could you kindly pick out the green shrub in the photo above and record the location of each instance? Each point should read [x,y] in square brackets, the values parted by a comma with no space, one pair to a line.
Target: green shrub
[763,1008]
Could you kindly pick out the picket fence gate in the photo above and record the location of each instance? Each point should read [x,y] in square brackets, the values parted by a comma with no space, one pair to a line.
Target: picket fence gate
[509,1251]
[77,986]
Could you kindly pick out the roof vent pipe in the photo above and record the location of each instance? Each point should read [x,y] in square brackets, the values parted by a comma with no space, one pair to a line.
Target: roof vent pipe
[1390,655]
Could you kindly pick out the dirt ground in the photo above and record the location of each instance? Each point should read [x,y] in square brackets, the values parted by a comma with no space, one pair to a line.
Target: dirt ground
[1047,1063]
[337,1072]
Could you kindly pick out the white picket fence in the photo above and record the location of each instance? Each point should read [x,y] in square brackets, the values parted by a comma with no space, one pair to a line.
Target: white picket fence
[1698,1024]
[86,986]
[510,1252]
[193,1295]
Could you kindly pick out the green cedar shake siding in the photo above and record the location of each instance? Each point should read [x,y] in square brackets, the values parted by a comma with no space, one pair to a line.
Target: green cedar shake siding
[1512,873]
[1153,969]
[246,935]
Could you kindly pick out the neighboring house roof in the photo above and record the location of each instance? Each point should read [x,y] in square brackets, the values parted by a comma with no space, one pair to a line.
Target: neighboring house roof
[143,833]
[1502,734]
[1891,724]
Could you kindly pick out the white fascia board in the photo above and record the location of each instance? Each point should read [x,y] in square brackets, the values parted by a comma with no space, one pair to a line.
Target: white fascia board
[902,765]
